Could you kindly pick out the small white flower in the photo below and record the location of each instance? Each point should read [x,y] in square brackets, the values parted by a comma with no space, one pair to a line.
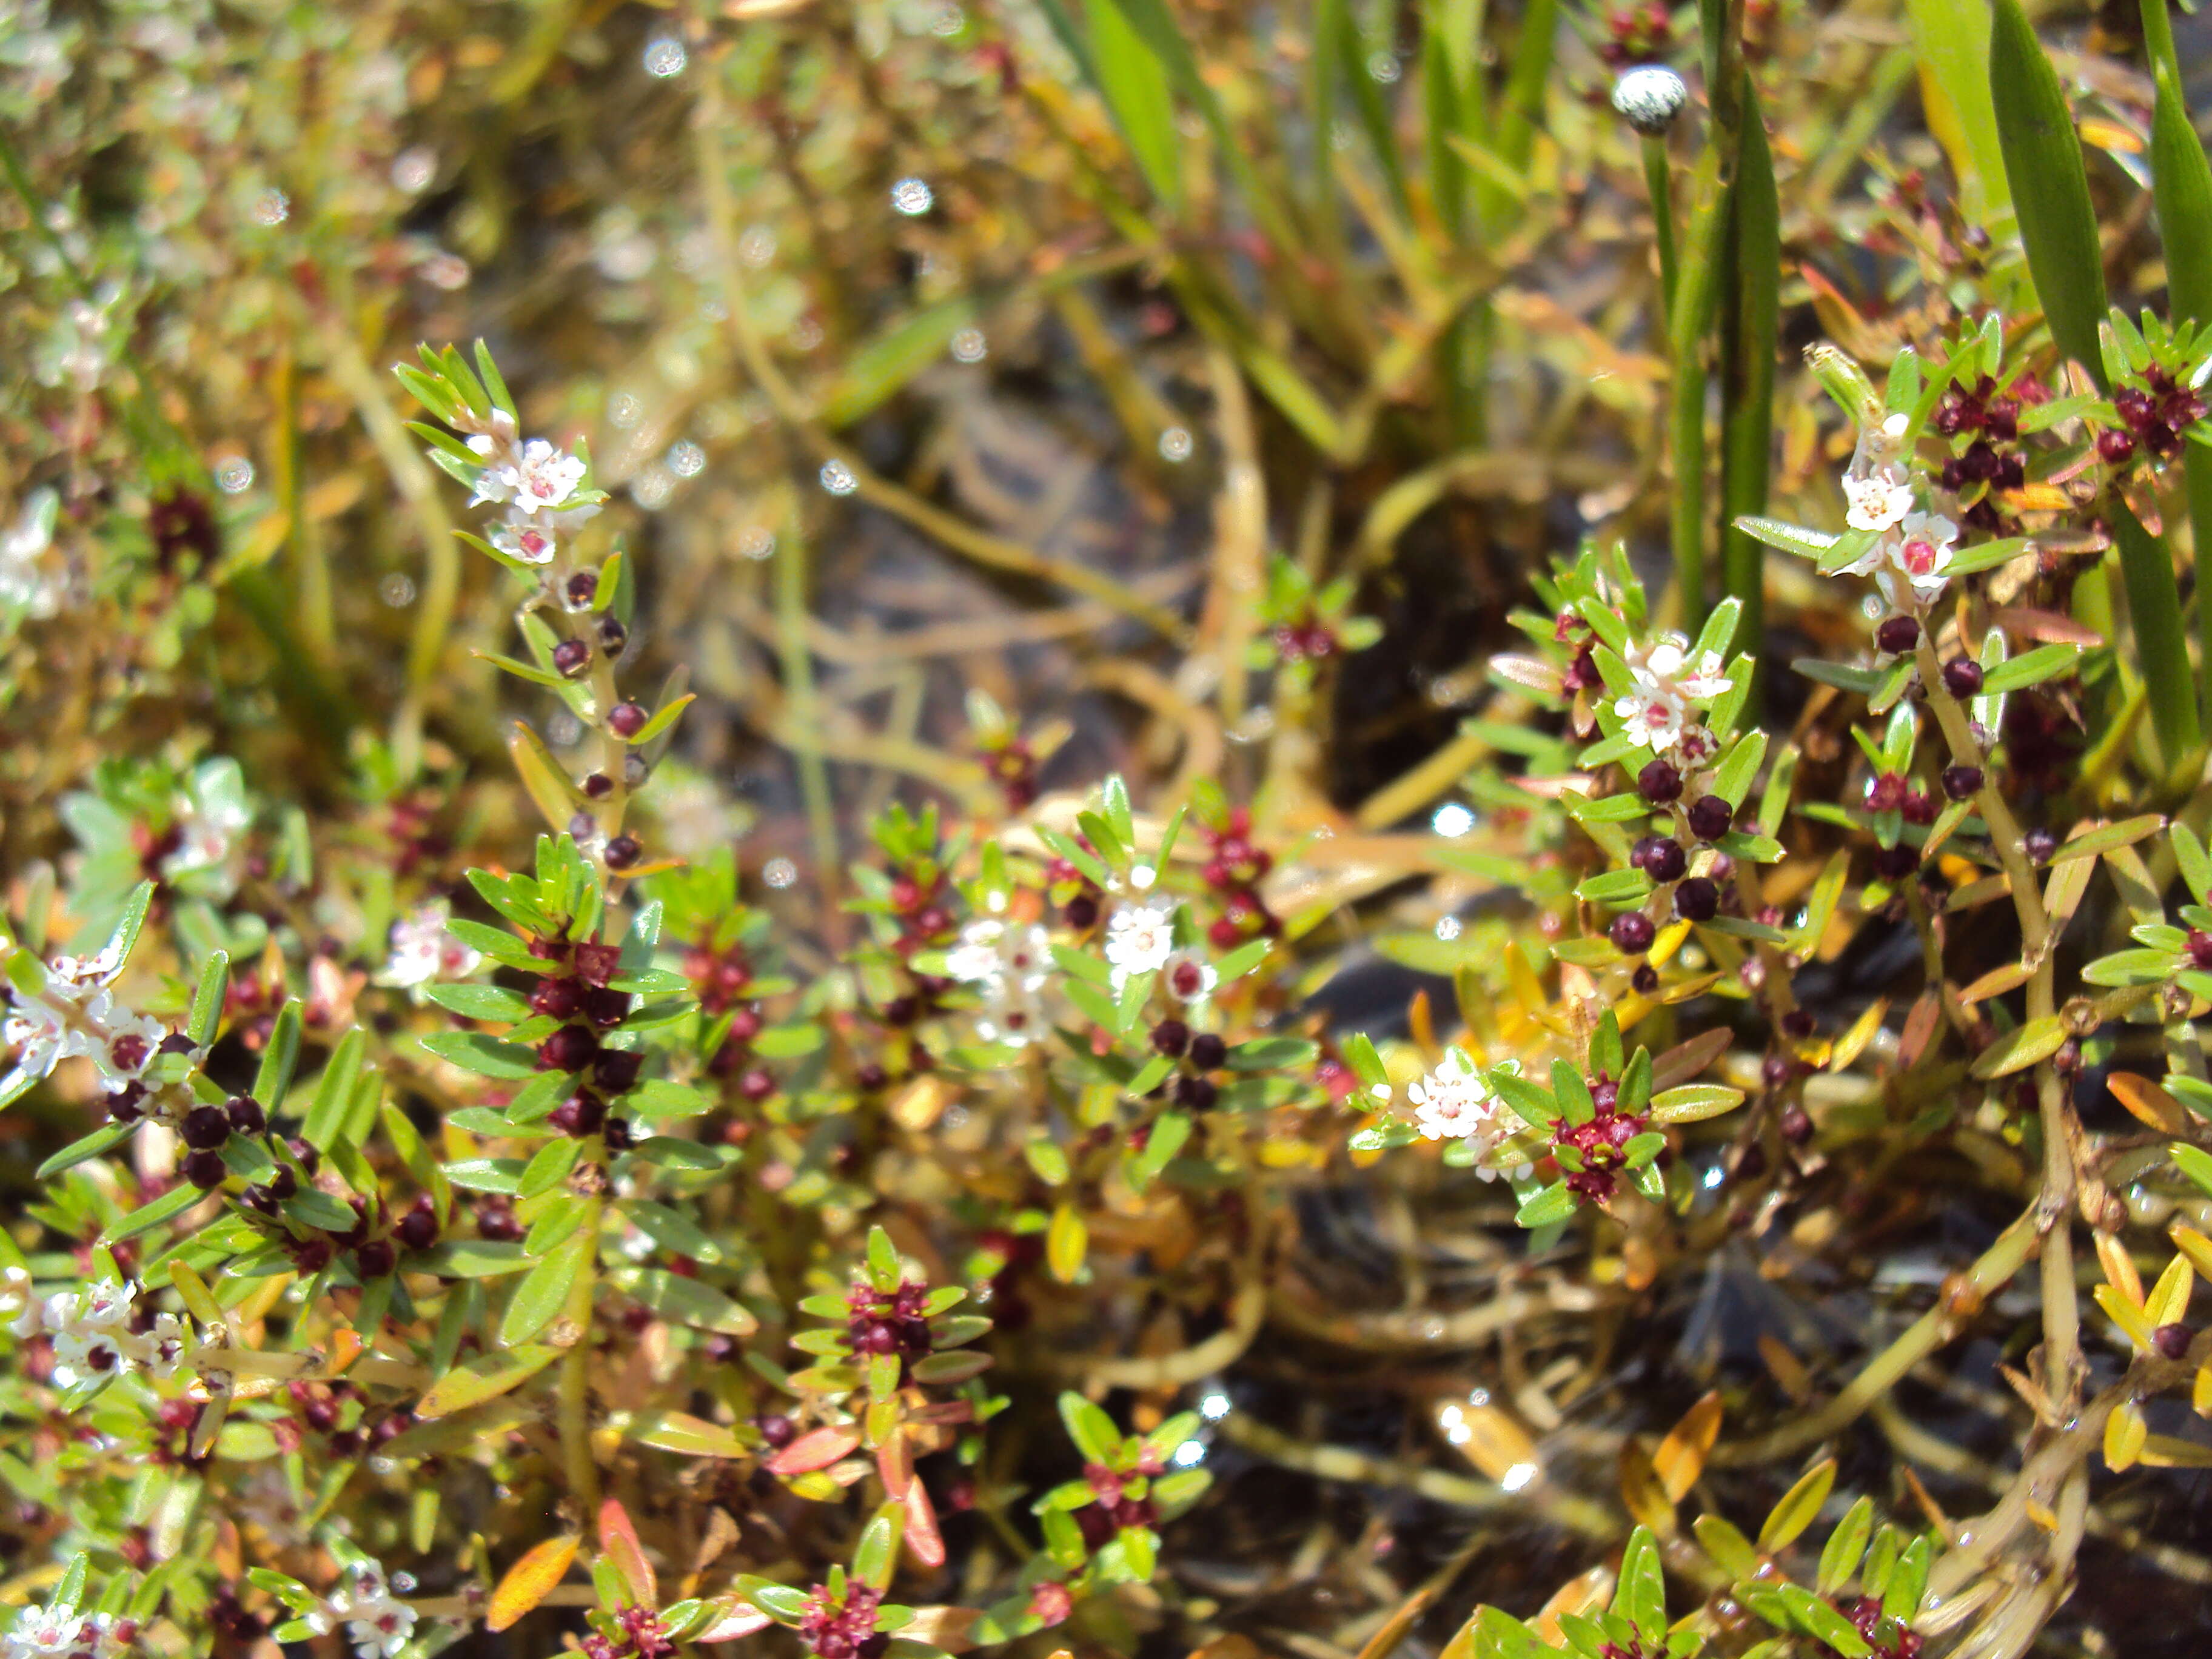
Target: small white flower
[422,951]
[1453,1103]
[540,478]
[1140,939]
[378,1626]
[75,1016]
[520,539]
[25,586]
[1659,713]
[90,1330]
[1910,565]
[1879,500]
[1010,962]
[60,1632]
[1190,978]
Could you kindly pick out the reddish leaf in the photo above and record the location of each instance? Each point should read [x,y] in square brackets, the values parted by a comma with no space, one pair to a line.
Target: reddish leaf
[817,1450]
[923,1541]
[618,1543]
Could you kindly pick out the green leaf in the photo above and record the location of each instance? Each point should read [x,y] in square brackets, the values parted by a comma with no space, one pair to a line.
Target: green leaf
[473,1051]
[687,1302]
[485,1377]
[492,1002]
[326,1115]
[544,1288]
[1543,1207]
[207,1000]
[1090,1428]
[1641,1597]
[1795,1512]
[2046,662]
[2021,1048]
[174,1202]
[1134,84]
[91,1146]
[2050,189]
[1839,1556]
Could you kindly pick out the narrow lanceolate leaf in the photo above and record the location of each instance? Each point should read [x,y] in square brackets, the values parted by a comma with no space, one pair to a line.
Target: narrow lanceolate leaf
[1747,349]
[2181,186]
[485,1377]
[1135,86]
[542,1566]
[2050,189]
[2019,1049]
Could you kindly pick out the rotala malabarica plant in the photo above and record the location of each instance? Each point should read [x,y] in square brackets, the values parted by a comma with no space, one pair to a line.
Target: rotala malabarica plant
[1165,1080]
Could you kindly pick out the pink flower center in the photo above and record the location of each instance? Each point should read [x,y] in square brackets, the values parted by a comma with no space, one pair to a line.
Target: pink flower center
[1920,557]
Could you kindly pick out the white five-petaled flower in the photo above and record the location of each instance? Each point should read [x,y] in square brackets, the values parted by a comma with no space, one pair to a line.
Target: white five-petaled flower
[520,539]
[1879,500]
[1009,963]
[422,951]
[1140,939]
[1912,564]
[380,1625]
[1190,978]
[1454,1103]
[534,480]
[1659,713]
[61,1633]
[73,1015]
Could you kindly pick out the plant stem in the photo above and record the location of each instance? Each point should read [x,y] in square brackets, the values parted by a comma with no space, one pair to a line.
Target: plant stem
[1691,320]
[575,1401]
[1658,179]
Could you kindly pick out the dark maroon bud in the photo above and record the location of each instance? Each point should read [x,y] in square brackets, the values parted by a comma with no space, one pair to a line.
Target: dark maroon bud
[175,1043]
[1697,900]
[931,921]
[1631,933]
[123,1105]
[615,1072]
[2038,844]
[1962,782]
[1659,783]
[376,1259]
[1919,809]
[879,1337]
[557,999]
[304,1154]
[756,1085]
[1894,864]
[627,719]
[1797,1024]
[1886,793]
[899,1010]
[282,1184]
[1170,1037]
[2199,947]
[622,852]
[1897,634]
[870,1077]
[1196,1092]
[1796,1124]
[418,1228]
[583,587]
[568,1049]
[572,659]
[1962,677]
[1208,1051]
[1645,981]
[777,1428]
[599,786]
[1639,855]
[618,1134]
[1080,913]
[1710,818]
[612,636]
[129,1052]
[496,1218]
[2172,1341]
[2116,446]
[245,1115]
[582,1114]
[1776,1070]
[205,1127]
[204,1170]
[2067,1062]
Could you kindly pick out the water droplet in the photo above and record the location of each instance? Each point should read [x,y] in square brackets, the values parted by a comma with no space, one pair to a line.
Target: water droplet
[948,21]
[756,543]
[413,169]
[778,872]
[624,411]
[1384,67]
[1189,1454]
[757,246]
[564,730]
[837,478]
[397,590]
[1452,820]
[234,475]
[912,197]
[1447,928]
[653,487]
[271,207]
[685,459]
[663,57]
[969,345]
[1175,444]
[1213,1406]
[806,334]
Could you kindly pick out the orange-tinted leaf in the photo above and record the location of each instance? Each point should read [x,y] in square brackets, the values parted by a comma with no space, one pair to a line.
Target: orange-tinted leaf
[818,1449]
[542,1566]
[923,1540]
[2148,1101]
[619,1541]
[1681,1458]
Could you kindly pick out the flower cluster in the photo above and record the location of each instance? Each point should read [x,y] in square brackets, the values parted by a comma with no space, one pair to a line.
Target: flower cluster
[95,1332]
[377,1622]
[1911,552]
[65,1010]
[423,949]
[62,1632]
[1009,963]
[1670,685]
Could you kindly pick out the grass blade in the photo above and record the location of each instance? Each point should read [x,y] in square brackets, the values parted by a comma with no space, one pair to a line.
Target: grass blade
[1951,47]
[1747,352]
[2050,190]
[1134,84]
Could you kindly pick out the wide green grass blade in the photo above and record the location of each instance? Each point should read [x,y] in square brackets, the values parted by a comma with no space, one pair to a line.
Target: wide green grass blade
[1134,84]
[2181,186]
[1950,45]
[2161,643]
[1748,345]
[1704,243]
[2050,189]
[1339,43]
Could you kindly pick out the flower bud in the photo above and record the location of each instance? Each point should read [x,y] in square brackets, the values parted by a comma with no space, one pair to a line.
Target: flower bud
[1962,677]
[1659,783]
[568,1049]
[2038,844]
[1712,818]
[1962,782]
[1170,1037]
[1208,1051]
[2172,1341]
[616,1070]
[572,659]
[1897,634]
[1649,98]
[627,719]
[245,1116]
[1632,932]
[204,1170]
[205,1127]
[376,1259]
[1894,864]
[1697,900]
[622,852]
